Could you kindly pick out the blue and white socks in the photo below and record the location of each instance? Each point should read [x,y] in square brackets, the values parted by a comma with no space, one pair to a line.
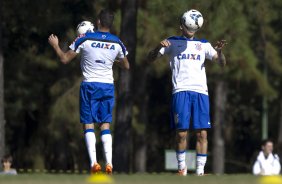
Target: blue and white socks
[180,156]
[90,140]
[201,162]
[106,139]
[182,168]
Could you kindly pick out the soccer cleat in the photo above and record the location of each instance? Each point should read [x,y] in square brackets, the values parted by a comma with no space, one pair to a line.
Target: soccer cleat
[109,169]
[96,168]
[182,172]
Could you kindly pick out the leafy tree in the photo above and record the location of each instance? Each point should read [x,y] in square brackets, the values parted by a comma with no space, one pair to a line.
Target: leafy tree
[2,118]
[41,95]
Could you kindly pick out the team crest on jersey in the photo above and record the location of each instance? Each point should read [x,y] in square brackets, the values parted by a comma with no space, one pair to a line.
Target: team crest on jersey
[198,46]
[103,45]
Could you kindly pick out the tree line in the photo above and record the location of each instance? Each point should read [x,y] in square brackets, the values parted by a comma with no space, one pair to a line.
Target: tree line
[40,95]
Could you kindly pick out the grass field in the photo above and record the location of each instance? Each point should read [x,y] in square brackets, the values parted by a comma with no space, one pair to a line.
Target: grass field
[129,179]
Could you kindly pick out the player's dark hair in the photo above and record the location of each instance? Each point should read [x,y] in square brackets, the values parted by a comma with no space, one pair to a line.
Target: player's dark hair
[106,18]
[265,141]
[182,22]
[7,158]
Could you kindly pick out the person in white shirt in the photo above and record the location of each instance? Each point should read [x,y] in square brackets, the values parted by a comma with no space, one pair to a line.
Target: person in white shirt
[190,99]
[99,51]
[267,163]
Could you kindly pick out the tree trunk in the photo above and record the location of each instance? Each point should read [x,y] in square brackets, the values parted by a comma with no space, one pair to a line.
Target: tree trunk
[279,142]
[122,129]
[140,146]
[2,119]
[218,140]
[140,153]
[140,141]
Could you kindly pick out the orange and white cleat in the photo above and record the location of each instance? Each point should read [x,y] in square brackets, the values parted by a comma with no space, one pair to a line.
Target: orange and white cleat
[109,169]
[96,168]
[182,172]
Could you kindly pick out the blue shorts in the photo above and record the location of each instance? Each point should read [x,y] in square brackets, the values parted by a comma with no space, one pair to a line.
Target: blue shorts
[188,105]
[96,102]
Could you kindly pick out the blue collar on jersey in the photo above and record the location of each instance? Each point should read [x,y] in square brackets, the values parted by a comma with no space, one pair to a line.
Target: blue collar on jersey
[100,36]
[187,39]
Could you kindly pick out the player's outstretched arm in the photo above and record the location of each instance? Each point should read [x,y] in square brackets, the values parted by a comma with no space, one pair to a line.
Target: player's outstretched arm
[220,56]
[65,57]
[154,54]
[123,63]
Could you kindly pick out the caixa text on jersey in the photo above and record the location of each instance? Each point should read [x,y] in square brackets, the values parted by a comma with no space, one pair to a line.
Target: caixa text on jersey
[189,56]
[103,45]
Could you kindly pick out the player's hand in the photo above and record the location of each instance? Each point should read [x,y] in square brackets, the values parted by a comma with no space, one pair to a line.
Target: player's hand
[220,44]
[53,40]
[165,43]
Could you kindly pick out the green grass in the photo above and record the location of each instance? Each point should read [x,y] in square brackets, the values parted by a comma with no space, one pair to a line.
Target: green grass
[129,179]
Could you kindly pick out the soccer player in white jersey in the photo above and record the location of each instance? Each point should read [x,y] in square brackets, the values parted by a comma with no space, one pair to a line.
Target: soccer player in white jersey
[190,93]
[99,51]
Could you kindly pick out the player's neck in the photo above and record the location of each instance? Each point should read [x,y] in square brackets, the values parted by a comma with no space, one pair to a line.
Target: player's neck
[104,29]
[189,37]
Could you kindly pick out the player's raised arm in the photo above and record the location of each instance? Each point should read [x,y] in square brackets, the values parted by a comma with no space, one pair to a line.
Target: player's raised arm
[219,57]
[154,54]
[65,57]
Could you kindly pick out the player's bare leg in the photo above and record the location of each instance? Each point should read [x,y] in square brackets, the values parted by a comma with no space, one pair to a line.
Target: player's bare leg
[201,148]
[181,145]
[106,138]
[90,140]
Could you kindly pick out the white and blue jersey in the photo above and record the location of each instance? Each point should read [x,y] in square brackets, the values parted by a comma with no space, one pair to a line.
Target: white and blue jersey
[98,53]
[186,58]
[190,91]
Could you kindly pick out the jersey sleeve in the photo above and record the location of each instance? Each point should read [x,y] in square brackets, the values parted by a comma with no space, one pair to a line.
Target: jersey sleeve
[74,48]
[165,50]
[122,52]
[210,52]
[256,168]
[77,44]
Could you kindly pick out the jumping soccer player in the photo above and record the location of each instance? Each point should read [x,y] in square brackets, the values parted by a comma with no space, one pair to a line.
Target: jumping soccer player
[98,53]
[190,93]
